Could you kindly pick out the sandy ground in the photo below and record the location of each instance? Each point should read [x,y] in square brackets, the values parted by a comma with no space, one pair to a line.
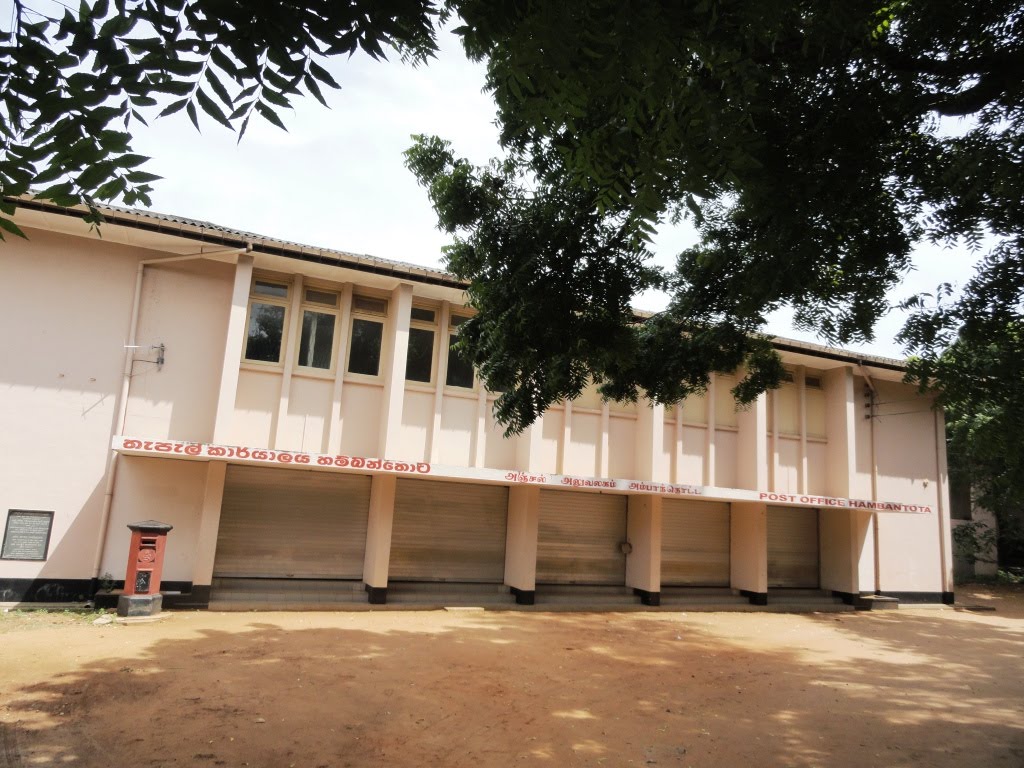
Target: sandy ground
[918,687]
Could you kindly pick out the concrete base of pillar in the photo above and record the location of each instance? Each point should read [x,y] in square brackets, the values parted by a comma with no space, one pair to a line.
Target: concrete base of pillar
[523,596]
[648,598]
[139,605]
[376,595]
[755,598]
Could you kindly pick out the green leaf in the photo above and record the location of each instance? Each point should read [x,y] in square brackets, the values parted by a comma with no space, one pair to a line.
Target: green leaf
[176,106]
[9,226]
[322,75]
[210,107]
[269,115]
[190,110]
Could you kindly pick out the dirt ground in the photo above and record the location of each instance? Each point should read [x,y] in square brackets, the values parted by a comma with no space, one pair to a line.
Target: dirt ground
[914,687]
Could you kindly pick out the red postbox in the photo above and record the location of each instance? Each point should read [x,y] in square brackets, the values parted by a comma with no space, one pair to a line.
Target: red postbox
[145,568]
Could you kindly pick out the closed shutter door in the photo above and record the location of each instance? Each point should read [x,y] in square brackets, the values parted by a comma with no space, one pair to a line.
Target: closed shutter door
[694,543]
[279,523]
[448,532]
[793,547]
[579,539]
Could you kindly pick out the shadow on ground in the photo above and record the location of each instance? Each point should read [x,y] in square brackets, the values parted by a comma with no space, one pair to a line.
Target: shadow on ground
[904,689]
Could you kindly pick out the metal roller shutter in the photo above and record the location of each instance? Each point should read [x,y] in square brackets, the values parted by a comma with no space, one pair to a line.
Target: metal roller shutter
[448,532]
[694,543]
[793,547]
[579,538]
[280,523]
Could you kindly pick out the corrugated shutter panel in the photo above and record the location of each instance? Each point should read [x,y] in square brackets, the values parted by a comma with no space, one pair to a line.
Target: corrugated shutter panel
[448,532]
[694,543]
[793,547]
[282,523]
[579,538]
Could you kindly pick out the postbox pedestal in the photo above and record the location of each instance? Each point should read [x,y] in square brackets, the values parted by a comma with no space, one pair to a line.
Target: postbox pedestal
[145,567]
[139,605]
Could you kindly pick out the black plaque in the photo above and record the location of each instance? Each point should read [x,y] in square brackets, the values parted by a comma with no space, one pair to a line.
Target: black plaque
[142,579]
[27,535]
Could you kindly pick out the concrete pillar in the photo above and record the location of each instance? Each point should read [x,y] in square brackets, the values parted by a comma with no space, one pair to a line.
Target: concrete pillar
[752,446]
[378,537]
[209,526]
[521,542]
[942,512]
[847,536]
[233,345]
[709,434]
[288,345]
[332,436]
[864,554]
[650,439]
[528,448]
[643,562]
[441,366]
[393,373]
[748,551]
[840,428]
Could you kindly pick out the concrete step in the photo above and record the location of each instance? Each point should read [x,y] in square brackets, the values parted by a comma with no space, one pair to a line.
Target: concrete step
[682,600]
[263,586]
[585,595]
[441,594]
[445,587]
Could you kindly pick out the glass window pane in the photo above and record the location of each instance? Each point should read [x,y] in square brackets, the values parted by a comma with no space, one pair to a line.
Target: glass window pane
[420,362]
[364,355]
[317,339]
[460,370]
[423,314]
[314,296]
[266,324]
[366,304]
[263,288]
[456,320]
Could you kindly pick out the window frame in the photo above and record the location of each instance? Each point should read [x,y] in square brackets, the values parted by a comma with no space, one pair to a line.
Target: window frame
[424,325]
[280,301]
[451,335]
[355,313]
[306,305]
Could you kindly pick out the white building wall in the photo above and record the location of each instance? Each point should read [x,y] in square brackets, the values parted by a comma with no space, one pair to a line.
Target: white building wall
[64,307]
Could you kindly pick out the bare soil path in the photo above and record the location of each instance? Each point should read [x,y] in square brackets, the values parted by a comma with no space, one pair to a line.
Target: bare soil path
[914,687]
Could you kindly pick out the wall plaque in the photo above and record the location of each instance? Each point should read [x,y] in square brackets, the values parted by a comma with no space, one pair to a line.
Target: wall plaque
[27,535]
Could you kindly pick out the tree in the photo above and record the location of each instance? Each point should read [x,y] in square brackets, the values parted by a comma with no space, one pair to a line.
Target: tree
[985,409]
[807,139]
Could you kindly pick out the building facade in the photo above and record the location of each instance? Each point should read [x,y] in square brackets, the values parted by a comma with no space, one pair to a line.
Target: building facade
[297,414]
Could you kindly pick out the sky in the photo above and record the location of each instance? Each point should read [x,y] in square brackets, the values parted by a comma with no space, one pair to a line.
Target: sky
[337,180]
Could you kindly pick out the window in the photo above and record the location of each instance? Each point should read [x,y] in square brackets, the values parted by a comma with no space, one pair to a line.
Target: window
[460,370]
[368,315]
[319,319]
[419,364]
[268,303]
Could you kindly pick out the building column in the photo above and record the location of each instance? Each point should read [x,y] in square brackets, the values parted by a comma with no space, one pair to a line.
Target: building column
[393,401]
[752,445]
[209,527]
[521,542]
[378,537]
[846,535]
[528,447]
[650,439]
[233,345]
[942,511]
[643,561]
[748,550]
